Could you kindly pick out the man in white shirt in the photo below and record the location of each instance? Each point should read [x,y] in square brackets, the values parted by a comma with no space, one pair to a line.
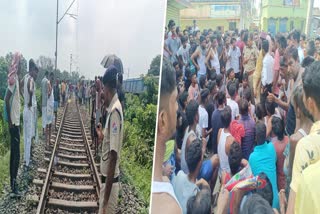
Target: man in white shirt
[183,53]
[267,72]
[28,92]
[12,100]
[199,57]
[44,96]
[173,44]
[232,90]
[195,27]
[203,114]
[295,40]
[234,56]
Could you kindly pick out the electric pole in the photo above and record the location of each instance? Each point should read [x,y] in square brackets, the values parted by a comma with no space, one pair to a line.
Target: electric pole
[70,63]
[56,53]
[57,23]
[309,19]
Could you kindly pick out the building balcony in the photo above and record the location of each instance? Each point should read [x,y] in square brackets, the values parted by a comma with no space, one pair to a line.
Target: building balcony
[211,10]
[284,3]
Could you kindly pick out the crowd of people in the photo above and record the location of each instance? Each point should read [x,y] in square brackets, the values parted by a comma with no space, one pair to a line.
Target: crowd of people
[52,91]
[12,107]
[83,91]
[238,123]
[107,105]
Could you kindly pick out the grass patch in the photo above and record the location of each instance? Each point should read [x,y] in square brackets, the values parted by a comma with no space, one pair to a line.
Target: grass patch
[5,160]
[5,166]
[4,171]
[137,175]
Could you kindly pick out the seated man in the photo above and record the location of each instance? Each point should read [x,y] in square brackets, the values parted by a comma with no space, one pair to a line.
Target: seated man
[247,121]
[236,162]
[255,204]
[232,90]
[263,159]
[208,167]
[266,193]
[185,185]
[236,202]
[225,139]
[200,203]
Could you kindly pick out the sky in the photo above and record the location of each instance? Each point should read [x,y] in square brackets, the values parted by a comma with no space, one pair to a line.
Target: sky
[130,29]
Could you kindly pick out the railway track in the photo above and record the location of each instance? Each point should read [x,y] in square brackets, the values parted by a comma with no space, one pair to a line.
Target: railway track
[71,183]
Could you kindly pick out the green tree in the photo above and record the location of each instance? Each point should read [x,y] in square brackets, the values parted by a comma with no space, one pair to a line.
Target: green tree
[45,63]
[23,64]
[3,76]
[155,66]
[4,68]
[150,95]
[74,76]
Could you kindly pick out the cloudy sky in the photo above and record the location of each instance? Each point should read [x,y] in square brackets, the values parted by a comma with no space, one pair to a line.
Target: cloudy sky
[130,29]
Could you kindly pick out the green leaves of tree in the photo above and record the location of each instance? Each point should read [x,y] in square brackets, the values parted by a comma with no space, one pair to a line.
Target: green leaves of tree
[155,66]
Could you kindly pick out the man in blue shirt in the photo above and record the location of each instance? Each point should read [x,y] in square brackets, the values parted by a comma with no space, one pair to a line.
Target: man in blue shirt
[216,119]
[263,159]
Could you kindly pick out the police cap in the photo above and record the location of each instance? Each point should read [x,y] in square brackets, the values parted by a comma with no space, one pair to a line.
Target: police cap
[110,77]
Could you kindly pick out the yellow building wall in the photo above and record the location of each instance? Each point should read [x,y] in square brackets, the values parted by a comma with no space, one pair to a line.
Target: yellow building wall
[173,13]
[202,13]
[209,23]
[196,11]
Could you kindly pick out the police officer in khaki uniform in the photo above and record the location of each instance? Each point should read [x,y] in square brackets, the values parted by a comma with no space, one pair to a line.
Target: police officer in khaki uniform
[111,138]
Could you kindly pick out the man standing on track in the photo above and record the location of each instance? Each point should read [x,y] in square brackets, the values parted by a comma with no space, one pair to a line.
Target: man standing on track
[63,92]
[111,139]
[35,112]
[28,91]
[12,100]
[93,112]
[44,95]
[56,93]
[50,106]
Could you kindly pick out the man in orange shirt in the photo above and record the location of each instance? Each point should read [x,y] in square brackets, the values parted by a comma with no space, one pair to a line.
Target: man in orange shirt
[63,92]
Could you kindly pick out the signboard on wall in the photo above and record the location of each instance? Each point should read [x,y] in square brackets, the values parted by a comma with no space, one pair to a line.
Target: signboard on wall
[291,2]
[224,11]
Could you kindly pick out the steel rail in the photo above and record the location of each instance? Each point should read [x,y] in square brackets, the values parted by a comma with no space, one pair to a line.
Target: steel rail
[92,164]
[45,188]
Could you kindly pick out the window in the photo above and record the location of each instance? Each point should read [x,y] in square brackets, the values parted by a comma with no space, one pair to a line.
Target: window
[220,28]
[283,25]
[291,2]
[232,25]
[225,10]
[291,25]
[302,25]
[272,26]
